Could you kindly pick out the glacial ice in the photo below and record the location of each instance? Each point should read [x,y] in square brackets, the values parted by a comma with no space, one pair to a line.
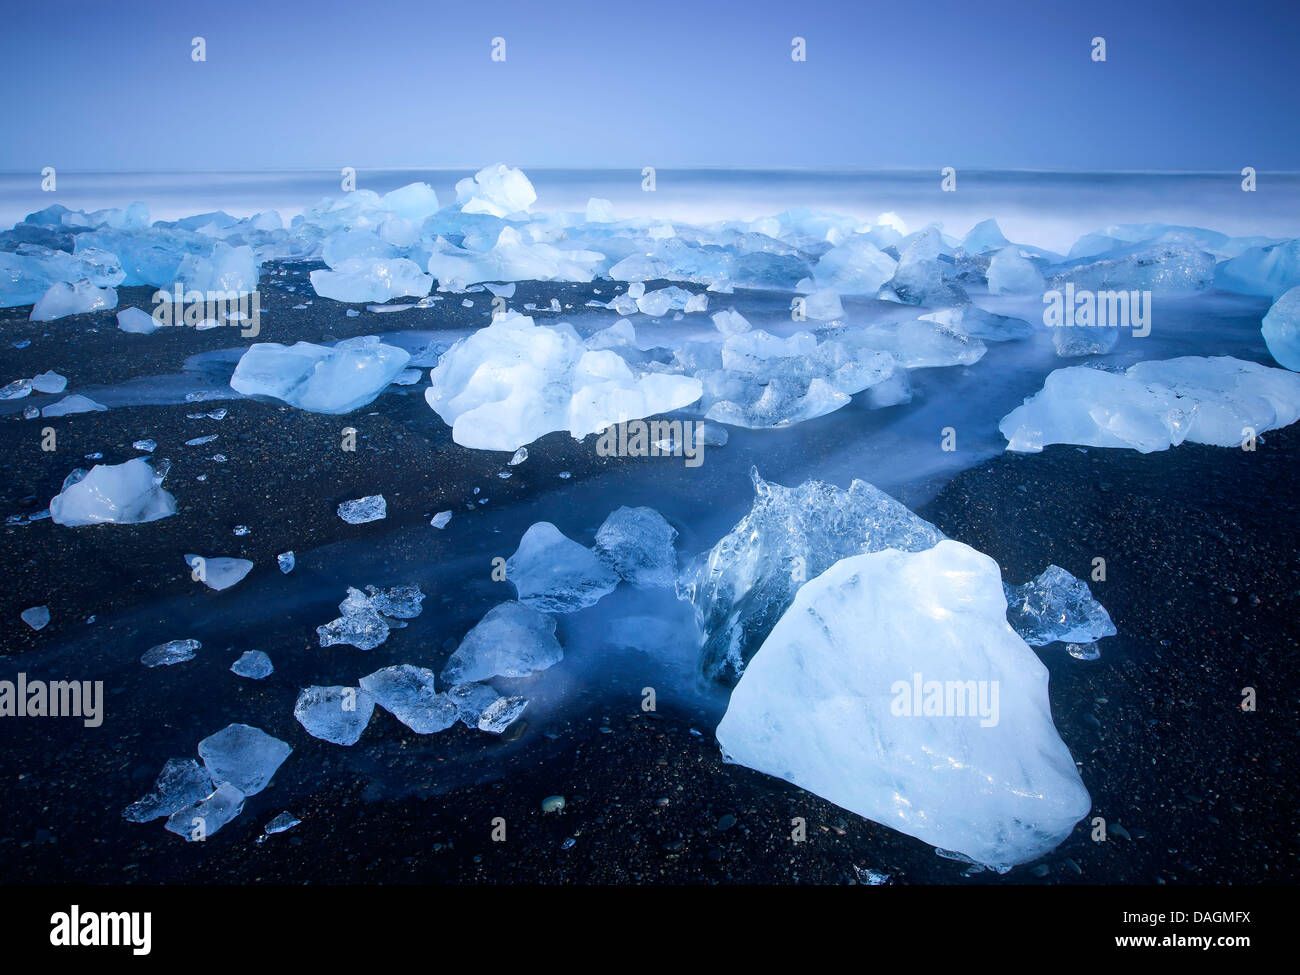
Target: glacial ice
[638,544]
[121,494]
[136,322]
[285,821]
[1281,330]
[1269,271]
[244,756]
[1155,405]
[360,511]
[37,617]
[743,585]
[1170,264]
[49,382]
[855,266]
[334,714]
[181,783]
[471,701]
[512,382]
[63,299]
[501,714]
[320,379]
[511,640]
[69,405]
[554,574]
[202,819]
[1056,607]
[218,573]
[832,702]
[169,653]
[497,190]
[1010,273]
[408,693]
[253,664]
[375,279]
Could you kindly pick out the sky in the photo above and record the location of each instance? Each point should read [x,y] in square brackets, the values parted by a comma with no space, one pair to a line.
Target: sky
[999,84]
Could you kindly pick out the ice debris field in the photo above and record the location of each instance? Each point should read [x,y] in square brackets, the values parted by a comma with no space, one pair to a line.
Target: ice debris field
[860,654]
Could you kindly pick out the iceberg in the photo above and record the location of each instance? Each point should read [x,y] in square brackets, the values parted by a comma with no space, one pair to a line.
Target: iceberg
[894,688]
[320,379]
[743,585]
[554,574]
[511,640]
[118,494]
[1155,405]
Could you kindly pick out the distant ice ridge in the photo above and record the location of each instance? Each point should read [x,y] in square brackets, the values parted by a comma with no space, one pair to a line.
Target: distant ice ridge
[893,687]
[512,382]
[744,584]
[317,378]
[1156,405]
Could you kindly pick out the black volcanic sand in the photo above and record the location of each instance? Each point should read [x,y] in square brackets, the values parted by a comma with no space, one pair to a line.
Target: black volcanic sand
[1202,581]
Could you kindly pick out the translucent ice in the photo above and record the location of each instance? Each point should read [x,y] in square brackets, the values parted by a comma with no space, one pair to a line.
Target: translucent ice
[1156,405]
[374,279]
[137,322]
[501,714]
[359,511]
[320,379]
[119,494]
[182,782]
[1170,264]
[894,687]
[1271,270]
[1056,606]
[745,583]
[253,664]
[336,714]
[217,573]
[638,544]
[76,403]
[202,819]
[171,652]
[244,756]
[408,693]
[1010,273]
[512,382]
[37,617]
[1281,329]
[855,266]
[282,822]
[64,299]
[555,574]
[497,190]
[511,640]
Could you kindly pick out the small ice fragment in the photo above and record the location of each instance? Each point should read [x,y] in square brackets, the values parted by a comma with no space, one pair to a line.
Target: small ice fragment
[253,664]
[555,574]
[38,617]
[362,510]
[182,782]
[136,322]
[511,640]
[241,530]
[440,519]
[49,382]
[520,456]
[1056,606]
[149,446]
[217,573]
[171,652]
[1085,651]
[282,822]
[201,820]
[335,714]
[638,544]
[200,441]
[286,562]
[16,389]
[501,714]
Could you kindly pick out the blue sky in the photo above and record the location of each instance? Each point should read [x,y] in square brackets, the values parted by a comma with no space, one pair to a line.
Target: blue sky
[1188,85]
